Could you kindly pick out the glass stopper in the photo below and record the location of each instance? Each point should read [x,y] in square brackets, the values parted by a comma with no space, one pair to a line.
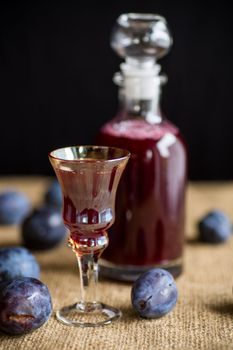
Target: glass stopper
[141,38]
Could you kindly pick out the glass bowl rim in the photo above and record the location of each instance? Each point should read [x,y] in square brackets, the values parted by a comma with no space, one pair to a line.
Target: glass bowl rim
[125,154]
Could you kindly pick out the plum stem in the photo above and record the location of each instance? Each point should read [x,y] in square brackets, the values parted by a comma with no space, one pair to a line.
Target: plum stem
[142,303]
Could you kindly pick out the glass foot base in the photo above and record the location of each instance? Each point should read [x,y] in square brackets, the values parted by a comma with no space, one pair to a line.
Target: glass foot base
[130,273]
[88,314]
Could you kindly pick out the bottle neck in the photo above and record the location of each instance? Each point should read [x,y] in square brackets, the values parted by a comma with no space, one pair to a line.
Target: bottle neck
[139,93]
[146,108]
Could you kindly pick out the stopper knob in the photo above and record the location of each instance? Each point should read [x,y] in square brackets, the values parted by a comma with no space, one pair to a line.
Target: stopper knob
[141,38]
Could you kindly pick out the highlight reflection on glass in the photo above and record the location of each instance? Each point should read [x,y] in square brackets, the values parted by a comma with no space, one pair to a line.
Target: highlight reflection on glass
[89,176]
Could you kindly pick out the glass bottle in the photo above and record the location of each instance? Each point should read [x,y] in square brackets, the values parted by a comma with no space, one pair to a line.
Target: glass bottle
[149,226]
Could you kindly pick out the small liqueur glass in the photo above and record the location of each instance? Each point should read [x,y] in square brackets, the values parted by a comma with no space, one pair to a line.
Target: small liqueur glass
[89,176]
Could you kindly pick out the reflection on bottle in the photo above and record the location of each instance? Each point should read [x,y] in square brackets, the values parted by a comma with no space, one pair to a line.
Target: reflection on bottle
[163,145]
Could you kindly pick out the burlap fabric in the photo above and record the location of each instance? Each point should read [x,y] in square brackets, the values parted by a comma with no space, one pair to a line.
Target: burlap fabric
[202,319]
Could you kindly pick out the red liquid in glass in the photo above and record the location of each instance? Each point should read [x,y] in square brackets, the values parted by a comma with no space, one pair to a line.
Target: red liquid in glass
[149,225]
[88,207]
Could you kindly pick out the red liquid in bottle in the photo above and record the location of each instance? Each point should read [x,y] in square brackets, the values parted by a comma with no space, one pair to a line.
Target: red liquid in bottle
[149,224]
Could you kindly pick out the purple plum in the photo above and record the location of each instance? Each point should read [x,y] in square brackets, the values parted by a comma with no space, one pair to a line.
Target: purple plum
[154,293]
[14,206]
[43,229]
[25,305]
[16,262]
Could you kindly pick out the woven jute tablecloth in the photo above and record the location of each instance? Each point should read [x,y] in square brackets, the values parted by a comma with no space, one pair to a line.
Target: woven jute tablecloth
[202,318]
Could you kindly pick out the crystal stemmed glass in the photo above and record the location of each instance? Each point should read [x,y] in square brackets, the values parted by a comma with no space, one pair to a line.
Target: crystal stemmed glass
[89,176]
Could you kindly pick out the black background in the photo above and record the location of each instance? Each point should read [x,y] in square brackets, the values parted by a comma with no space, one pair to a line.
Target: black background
[56,89]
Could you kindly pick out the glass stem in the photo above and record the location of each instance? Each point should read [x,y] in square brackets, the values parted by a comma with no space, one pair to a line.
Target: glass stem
[88,269]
